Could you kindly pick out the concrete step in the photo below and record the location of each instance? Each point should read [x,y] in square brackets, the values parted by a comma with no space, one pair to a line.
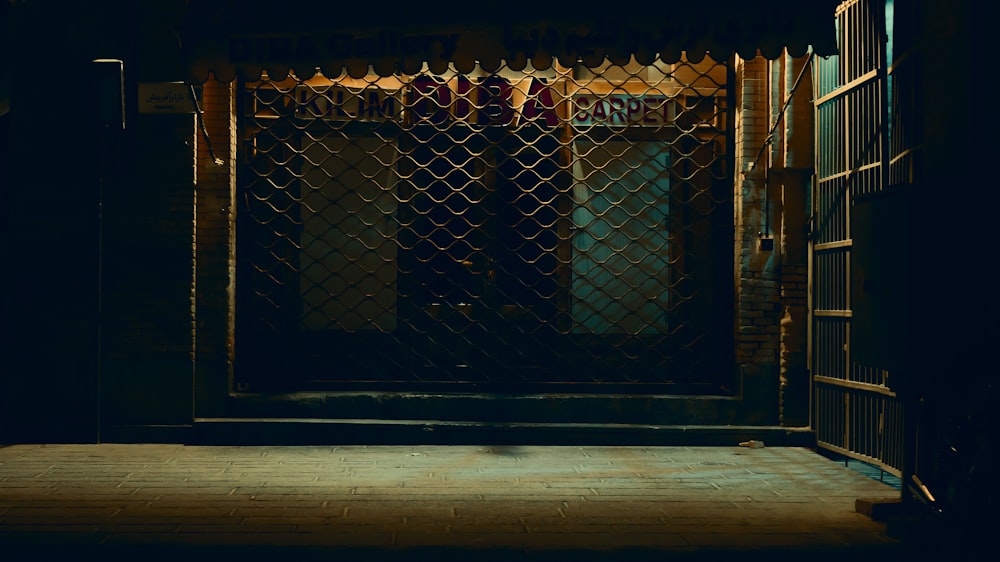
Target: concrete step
[299,431]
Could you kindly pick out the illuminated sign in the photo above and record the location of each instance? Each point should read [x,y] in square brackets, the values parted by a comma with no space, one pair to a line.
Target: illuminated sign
[491,101]
[335,103]
[341,46]
[619,110]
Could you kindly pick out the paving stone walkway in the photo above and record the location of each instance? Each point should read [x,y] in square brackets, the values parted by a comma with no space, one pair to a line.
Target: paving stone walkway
[162,501]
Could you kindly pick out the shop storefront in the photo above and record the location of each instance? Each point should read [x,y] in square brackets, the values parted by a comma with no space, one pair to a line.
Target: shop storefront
[418,203]
[539,203]
[566,226]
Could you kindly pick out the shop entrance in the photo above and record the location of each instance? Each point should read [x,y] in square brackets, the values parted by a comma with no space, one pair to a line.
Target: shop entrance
[515,231]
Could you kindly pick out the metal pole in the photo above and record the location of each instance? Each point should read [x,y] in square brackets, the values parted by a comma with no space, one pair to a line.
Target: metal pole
[110,101]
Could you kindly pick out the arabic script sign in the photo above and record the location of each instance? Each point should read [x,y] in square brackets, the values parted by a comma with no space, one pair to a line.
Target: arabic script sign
[165,97]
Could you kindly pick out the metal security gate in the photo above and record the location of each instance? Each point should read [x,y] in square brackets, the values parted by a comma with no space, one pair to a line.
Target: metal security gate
[856,412]
[508,230]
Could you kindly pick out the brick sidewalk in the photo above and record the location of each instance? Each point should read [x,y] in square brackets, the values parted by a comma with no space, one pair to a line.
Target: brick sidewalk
[434,502]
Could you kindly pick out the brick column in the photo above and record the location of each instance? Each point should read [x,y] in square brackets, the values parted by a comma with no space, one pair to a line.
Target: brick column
[215,249]
[796,158]
[757,291]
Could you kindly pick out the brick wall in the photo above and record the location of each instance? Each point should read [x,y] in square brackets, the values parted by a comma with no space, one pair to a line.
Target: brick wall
[215,248]
[772,203]
[757,288]
[148,270]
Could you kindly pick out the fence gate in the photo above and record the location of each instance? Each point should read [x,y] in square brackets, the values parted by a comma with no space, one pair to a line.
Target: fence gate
[512,229]
[856,413]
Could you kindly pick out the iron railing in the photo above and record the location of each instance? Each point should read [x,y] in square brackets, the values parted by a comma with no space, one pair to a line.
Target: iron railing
[856,411]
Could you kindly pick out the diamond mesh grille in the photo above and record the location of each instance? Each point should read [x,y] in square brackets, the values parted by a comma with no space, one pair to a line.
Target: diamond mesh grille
[530,227]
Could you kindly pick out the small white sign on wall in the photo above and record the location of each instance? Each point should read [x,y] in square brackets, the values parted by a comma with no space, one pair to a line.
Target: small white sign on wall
[165,97]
